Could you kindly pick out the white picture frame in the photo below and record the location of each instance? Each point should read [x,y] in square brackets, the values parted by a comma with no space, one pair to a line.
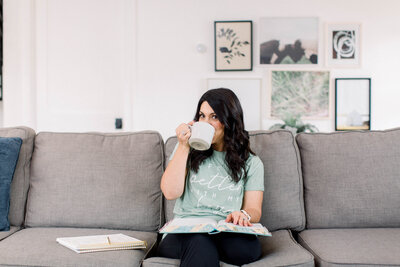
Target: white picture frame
[248,90]
[343,45]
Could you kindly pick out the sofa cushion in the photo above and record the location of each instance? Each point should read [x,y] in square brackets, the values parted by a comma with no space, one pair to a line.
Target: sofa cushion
[12,230]
[278,250]
[167,262]
[20,182]
[38,247]
[283,206]
[9,151]
[353,247]
[160,262]
[351,179]
[281,249]
[96,180]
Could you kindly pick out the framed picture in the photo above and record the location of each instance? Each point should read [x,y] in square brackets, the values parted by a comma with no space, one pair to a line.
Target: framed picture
[1,86]
[303,94]
[248,91]
[343,45]
[233,45]
[288,41]
[353,104]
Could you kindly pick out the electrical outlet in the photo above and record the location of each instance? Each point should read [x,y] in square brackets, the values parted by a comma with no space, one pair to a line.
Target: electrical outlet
[118,123]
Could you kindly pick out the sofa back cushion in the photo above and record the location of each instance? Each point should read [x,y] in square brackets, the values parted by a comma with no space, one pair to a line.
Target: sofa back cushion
[283,206]
[351,179]
[20,181]
[96,180]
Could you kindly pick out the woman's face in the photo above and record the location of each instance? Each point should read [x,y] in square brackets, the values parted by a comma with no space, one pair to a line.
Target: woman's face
[207,114]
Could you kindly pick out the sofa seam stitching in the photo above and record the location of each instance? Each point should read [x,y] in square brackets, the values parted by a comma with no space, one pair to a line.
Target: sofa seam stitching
[301,184]
[353,132]
[162,150]
[147,132]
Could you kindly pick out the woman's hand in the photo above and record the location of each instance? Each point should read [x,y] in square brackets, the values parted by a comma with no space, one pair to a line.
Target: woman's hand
[237,217]
[173,180]
[183,133]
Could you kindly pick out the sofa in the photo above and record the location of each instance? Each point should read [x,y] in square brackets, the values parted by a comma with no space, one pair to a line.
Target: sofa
[331,199]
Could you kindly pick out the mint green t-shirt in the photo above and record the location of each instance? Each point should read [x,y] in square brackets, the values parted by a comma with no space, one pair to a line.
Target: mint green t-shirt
[212,193]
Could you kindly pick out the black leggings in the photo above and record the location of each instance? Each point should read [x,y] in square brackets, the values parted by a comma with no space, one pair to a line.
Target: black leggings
[208,250]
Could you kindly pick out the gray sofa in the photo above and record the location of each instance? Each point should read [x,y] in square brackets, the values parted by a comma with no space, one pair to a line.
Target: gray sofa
[352,197]
[347,212]
[82,184]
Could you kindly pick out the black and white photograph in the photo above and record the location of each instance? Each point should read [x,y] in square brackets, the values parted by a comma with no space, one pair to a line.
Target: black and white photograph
[288,41]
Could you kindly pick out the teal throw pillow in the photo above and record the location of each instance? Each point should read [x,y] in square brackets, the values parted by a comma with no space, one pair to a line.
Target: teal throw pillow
[9,152]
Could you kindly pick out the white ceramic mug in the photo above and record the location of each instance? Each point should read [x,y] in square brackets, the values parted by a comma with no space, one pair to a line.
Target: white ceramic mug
[202,135]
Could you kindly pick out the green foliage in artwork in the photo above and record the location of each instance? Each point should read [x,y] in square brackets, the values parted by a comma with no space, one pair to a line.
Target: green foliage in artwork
[299,93]
[294,124]
[303,60]
[230,44]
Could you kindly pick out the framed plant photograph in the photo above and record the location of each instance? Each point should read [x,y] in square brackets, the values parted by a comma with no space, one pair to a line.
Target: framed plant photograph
[343,45]
[299,94]
[353,104]
[288,41]
[233,45]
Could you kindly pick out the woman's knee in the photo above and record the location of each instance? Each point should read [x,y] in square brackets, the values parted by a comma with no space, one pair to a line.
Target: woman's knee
[170,247]
[199,250]
[241,251]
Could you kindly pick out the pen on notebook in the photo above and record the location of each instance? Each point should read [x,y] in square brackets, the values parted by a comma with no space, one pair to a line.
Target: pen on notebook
[108,239]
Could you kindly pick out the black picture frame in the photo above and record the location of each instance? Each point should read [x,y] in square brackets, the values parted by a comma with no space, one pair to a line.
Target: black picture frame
[352,104]
[233,45]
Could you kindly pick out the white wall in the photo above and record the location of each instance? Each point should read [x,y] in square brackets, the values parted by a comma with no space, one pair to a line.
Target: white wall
[172,69]
[69,64]
[19,90]
[165,73]
[83,60]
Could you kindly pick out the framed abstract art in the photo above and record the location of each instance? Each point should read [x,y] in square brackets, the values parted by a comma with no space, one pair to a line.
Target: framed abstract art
[343,46]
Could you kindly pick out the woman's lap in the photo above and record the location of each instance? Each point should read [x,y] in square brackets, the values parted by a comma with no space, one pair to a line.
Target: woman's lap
[231,248]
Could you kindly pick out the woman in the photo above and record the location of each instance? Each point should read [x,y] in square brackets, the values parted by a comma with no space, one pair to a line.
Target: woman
[225,182]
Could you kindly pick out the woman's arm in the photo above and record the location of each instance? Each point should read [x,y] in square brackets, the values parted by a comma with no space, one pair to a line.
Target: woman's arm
[252,205]
[173,179]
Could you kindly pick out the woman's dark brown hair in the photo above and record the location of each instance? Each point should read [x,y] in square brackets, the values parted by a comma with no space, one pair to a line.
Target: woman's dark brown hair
[229,112]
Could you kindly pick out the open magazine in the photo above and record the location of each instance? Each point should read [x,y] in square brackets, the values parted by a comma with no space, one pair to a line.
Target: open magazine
[208,225]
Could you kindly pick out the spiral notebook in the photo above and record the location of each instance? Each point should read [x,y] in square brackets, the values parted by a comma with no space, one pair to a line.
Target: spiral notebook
[95,243]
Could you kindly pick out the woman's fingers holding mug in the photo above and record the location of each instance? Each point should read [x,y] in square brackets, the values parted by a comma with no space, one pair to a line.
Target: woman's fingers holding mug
[183,132]
[182,128]
[186,134]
